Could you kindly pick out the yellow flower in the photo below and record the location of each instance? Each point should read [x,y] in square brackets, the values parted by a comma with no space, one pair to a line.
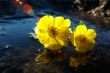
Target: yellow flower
[83,39]
[52,32]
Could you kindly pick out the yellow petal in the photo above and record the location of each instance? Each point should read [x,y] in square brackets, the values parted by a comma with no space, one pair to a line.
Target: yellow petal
[45,21]
[52,44]
[83,44]
[50,20]
[42,21]
[63,33]
[43,38]
[85,47]
[81,29]
[90,33]
[43,30]
[66,23]
[58,21]
[61,42]
[53,47]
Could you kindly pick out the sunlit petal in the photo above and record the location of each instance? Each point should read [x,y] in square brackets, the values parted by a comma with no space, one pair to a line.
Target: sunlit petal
[52,44]
[67,23]
[45,21]
[58,21]
[83,44]
[80,29]
[91,34]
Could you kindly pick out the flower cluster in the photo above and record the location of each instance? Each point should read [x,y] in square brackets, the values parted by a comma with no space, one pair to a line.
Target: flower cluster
[55,34]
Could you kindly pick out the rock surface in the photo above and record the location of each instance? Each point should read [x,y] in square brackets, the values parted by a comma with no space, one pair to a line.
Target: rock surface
[97,11]
[98,8]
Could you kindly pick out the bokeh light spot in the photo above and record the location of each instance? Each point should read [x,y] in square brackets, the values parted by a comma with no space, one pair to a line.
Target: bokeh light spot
[27,9]
[20,2]
[17,1]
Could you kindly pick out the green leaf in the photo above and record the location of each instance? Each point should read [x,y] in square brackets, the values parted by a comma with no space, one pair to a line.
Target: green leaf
[81,23]
[73,29]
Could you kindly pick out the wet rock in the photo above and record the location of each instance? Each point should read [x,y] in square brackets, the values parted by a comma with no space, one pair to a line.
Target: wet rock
[3,34]
[8,46]
[85,5]
[13,69]
[3,66]
[2,58]
[46,68]
[3,21]
[96,11]
[75,4]
[107,13]
[97,8]
[2,28]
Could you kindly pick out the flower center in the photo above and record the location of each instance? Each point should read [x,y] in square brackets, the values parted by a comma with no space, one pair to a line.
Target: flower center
[52,31]
[81,39]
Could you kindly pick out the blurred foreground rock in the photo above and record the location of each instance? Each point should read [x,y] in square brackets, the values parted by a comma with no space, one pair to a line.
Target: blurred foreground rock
[96,11]
[96,7]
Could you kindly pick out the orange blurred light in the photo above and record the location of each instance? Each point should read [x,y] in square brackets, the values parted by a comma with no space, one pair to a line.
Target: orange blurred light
[17,1]
[27,9]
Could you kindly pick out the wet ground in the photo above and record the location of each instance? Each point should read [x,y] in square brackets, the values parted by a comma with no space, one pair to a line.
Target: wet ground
[18,49]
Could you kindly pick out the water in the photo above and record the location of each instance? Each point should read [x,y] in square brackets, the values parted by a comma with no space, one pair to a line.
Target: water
[18,48]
